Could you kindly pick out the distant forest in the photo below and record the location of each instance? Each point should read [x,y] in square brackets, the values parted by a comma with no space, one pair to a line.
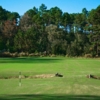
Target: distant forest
[50,32]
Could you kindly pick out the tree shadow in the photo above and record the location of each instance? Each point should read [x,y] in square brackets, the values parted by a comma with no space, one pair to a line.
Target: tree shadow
[49,97]
[29,60]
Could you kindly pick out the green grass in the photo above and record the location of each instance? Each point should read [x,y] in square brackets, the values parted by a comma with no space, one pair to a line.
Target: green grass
[73,86]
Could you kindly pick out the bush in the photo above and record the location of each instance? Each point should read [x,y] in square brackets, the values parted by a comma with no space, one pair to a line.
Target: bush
[21,54]
[53,55]
[14,54]
[96,56]
[88,55]
[5,54]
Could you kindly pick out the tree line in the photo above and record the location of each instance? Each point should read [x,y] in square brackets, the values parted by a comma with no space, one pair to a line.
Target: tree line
[50,31]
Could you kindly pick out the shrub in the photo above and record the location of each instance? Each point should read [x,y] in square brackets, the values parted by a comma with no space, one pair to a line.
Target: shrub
[88,55]
[5,54]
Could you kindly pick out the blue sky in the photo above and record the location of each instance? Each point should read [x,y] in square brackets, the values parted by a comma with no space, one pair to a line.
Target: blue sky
[70,6]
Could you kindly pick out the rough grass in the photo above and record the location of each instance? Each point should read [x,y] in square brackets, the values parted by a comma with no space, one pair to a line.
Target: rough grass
[73,86]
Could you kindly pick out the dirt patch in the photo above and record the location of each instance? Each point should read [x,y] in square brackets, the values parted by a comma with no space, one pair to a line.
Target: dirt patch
[44,76]
[30,76]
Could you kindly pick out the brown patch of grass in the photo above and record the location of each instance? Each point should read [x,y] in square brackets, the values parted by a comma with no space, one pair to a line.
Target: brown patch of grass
[31,76]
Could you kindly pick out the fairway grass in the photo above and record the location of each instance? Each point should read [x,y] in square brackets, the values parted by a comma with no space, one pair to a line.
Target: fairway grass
[74,85]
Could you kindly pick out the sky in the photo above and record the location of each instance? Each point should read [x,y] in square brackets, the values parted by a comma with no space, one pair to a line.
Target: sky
[70,6]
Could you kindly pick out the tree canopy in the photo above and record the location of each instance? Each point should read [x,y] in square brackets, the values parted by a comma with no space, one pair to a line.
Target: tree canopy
[51,31]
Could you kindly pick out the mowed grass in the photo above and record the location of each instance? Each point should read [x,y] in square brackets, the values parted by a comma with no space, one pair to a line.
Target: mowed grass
[72,86]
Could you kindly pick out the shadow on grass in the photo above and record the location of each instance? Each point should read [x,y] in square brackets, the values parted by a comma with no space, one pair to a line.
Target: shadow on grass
[29,60]
[49,97]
